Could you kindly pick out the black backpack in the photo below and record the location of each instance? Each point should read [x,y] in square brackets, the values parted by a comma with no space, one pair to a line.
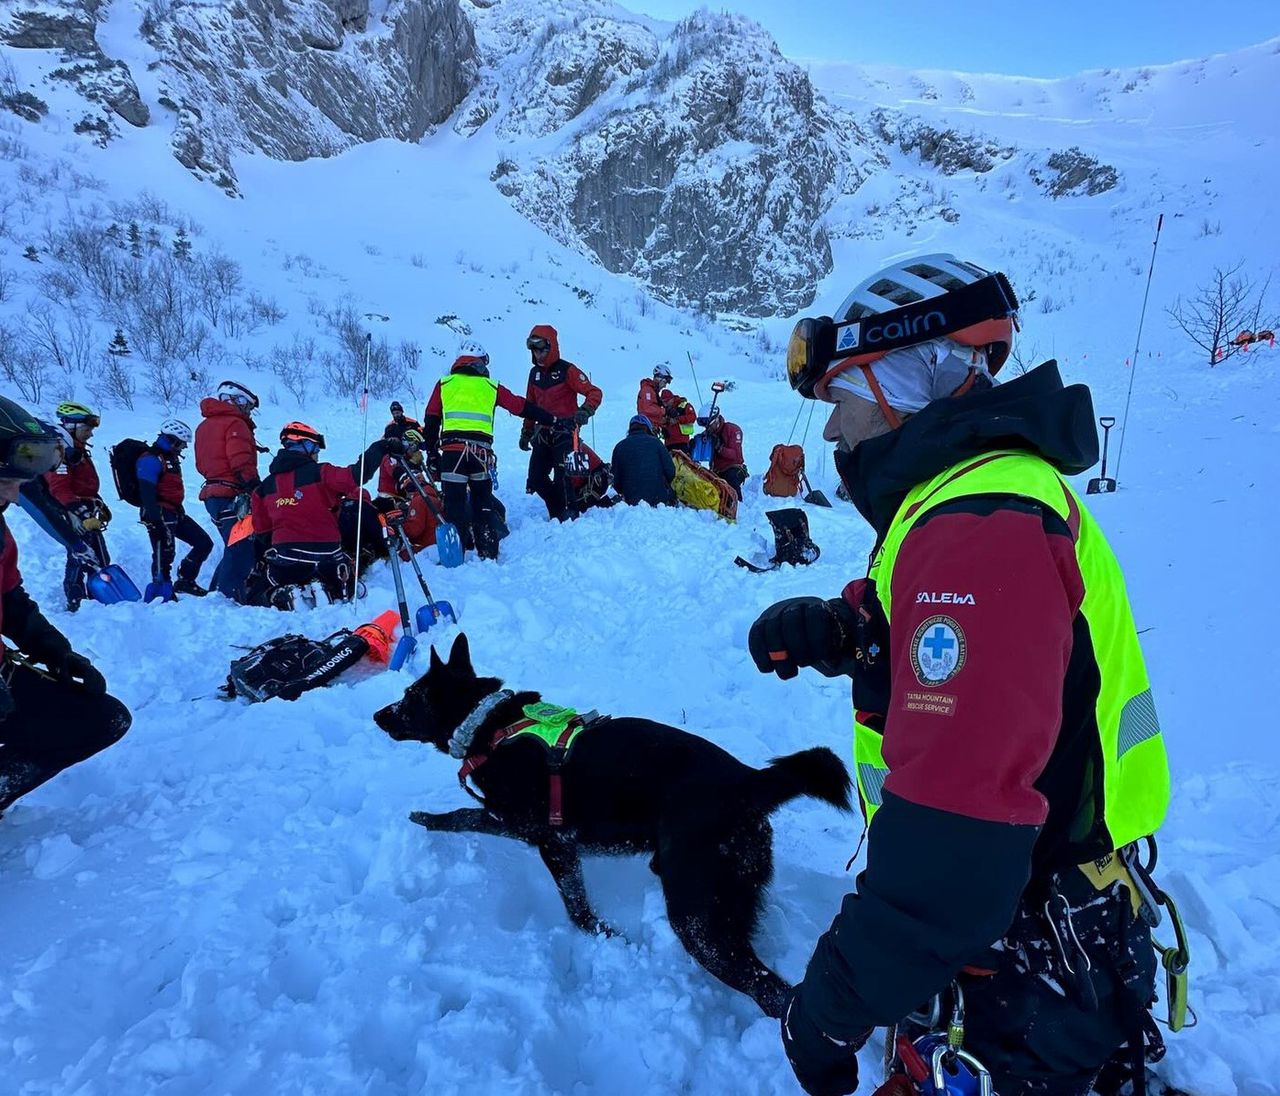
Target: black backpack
[291,665]
[791,541]
[123,458]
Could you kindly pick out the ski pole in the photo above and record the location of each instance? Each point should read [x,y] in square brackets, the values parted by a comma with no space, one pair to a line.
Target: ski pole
[696,387]
[364,443]
[1124,422]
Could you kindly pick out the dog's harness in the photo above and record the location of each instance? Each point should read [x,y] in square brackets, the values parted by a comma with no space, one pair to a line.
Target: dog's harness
[556,727]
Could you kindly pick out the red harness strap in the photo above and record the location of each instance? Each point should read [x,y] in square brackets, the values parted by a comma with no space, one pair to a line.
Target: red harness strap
[558,753]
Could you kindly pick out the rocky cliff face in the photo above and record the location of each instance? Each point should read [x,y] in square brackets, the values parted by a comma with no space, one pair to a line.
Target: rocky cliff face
[302,78]
[70,28]
[702,165]
[290,78]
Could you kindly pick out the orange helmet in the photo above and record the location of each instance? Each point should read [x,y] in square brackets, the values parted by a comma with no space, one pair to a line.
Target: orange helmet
[296,432]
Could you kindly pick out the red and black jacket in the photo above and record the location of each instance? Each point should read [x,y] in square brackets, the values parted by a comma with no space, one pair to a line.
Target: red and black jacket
[299,500]
[727,447]
[20,617]
[556,384]
[998,787]
[75,480]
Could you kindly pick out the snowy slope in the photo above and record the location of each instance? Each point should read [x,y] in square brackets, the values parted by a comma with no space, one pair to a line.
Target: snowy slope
[232,901]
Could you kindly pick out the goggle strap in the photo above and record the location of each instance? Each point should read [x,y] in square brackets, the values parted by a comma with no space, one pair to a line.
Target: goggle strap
[988,298]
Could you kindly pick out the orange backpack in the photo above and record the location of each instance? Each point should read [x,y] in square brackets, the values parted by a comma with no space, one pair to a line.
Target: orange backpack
[786,468]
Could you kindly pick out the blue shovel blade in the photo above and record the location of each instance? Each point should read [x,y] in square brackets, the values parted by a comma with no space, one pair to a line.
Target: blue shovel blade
[405,646]
[449,545]
[426,618]
[111,585]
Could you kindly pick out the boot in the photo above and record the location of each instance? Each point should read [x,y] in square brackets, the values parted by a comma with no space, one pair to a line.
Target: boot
[189,586]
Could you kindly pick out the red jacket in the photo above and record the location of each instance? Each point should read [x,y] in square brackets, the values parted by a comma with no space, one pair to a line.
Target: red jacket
[10,576]
[682,414]
[649,403]
[388,470]
[226,452]
[75,480]
[727,447]
[298,501]
[556,384]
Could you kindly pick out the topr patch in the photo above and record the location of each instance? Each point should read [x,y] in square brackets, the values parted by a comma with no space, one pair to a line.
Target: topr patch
[938,651]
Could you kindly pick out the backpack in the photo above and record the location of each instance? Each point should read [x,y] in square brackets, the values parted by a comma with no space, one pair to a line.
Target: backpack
[290,665]
[786,468]
[791,543]
[702,489]
[123,458]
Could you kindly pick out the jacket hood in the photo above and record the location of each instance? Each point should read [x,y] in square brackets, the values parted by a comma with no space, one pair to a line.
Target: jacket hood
[1035,413]
[546,331]
[288,460]
[211,407]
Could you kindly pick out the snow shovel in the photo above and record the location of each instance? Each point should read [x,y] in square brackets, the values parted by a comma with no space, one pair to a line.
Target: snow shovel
[406,644]
[815,498]
[1103,484]
[110,585]
[433,610]
[448,539]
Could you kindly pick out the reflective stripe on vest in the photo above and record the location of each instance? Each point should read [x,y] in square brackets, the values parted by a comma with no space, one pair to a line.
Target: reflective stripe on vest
[467,404]
[1136,769]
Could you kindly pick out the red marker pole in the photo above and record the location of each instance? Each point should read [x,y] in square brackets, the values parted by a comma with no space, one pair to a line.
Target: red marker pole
[1124,423]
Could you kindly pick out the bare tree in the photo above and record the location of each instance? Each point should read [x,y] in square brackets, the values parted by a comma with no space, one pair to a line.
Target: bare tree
[295,367]
[216,280]
[21,364]
[113,383]
[1226,305]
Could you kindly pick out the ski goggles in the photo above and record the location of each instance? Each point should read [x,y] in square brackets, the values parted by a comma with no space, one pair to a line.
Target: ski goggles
[982,313]
[538,343]
[27,456]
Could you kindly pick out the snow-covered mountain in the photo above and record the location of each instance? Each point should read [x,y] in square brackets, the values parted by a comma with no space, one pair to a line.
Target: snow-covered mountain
[694,157]
[230,900]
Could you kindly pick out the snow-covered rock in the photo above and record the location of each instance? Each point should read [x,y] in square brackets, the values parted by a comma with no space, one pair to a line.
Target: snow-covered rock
[306,78]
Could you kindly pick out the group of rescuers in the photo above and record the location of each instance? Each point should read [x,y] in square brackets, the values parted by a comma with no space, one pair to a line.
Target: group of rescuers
[1008,756]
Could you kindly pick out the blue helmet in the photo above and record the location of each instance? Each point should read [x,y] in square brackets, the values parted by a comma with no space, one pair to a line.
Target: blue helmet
[640,420]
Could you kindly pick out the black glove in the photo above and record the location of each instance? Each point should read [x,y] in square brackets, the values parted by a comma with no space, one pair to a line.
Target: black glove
[581,415]
[77,670]
[7,706]
[395,446]
[823,1066]
[804,631]
[526,439]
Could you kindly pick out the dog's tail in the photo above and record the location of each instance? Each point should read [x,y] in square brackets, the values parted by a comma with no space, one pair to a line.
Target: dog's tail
[816,772]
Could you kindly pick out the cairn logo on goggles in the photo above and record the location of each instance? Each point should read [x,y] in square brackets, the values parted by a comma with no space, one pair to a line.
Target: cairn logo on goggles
[848,339]
[931,598]
[908,328]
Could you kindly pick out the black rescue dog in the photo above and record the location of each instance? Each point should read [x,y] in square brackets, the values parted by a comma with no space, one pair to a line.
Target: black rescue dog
[626,786]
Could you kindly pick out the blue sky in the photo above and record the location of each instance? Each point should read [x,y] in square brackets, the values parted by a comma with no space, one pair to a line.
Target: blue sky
[1027,38]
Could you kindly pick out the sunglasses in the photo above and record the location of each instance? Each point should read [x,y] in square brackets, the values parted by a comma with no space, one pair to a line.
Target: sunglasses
[24,458]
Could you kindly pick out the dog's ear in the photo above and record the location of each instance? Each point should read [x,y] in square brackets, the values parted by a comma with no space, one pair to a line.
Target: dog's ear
[436,666]
[460,657]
